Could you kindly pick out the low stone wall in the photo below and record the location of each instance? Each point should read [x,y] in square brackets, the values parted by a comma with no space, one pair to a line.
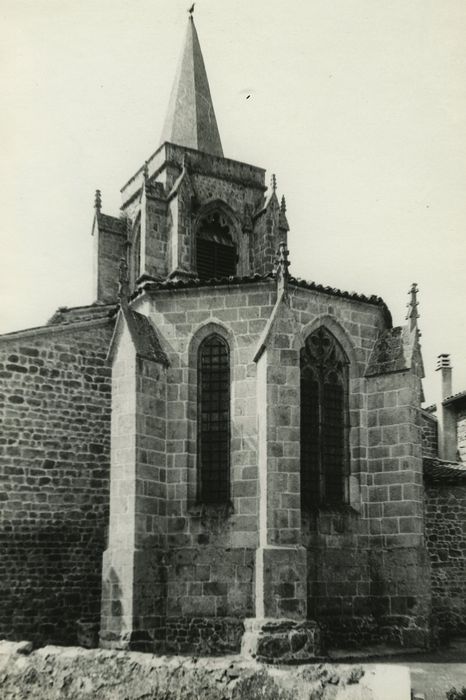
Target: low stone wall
[54,449]
[52,673]
[446,543]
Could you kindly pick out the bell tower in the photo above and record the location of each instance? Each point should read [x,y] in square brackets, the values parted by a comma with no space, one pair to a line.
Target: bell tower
[189,212]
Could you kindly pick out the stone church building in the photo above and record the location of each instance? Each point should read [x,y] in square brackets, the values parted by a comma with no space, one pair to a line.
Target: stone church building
[215,453]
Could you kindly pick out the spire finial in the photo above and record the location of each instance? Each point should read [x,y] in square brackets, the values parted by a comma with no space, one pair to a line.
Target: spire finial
[145,171]
[281,269]
[123,283]
[273,182]
[191,11]
[98,200]
[283,205]
[412,305]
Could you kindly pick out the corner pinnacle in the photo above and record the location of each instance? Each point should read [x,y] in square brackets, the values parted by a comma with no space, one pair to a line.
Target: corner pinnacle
[98,200]
[412,314]
[281,269]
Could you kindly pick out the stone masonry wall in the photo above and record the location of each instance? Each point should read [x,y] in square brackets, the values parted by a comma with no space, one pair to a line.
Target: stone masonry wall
[446,542]
[170,241]
[461,434]
[54,448]
[210,562]
[429,435]
[109,249]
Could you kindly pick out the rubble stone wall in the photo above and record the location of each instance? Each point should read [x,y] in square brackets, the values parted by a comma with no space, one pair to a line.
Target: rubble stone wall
[446,543]
[54,447]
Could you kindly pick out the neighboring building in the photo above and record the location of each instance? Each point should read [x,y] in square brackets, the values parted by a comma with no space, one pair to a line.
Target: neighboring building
[444,433]
[246,447]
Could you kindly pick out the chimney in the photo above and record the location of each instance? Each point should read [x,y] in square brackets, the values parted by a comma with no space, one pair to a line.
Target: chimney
[444,367]
[446,418]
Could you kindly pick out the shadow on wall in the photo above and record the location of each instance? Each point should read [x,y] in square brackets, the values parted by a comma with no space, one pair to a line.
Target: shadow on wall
[52,580]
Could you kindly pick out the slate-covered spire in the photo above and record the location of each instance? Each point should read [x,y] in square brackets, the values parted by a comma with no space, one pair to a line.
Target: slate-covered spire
[190,119]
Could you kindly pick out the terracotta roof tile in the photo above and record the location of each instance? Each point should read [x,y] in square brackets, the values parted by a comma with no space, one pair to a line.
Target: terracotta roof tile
[438,471]
[148,283]
[455,397]
[91,312]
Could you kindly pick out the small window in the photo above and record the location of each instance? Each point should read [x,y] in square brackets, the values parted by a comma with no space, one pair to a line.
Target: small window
[213,447]
[216,255]
[324,424]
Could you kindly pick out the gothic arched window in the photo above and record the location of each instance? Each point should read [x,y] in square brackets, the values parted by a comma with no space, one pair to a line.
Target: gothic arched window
[216,255]
[213,433]
[324,424]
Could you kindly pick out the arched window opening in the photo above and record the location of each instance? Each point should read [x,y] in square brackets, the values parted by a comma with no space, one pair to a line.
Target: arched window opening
[213,435]
[324,420]
[216,251]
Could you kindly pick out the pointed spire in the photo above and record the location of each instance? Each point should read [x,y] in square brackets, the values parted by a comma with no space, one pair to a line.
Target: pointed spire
[98,200]
[145,171]
[190,119]
[412,305]
[123,283]
[283,205]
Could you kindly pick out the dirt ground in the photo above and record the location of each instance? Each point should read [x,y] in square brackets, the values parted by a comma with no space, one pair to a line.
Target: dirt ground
[433,673]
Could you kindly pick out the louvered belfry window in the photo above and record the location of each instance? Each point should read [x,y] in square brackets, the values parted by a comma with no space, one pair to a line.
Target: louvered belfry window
[324,420]
[216,255]
[213,420]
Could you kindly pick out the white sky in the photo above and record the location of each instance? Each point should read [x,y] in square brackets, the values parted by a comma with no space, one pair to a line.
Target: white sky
[359,106]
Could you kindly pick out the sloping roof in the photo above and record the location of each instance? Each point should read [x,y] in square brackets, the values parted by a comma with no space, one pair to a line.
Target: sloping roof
[438,471]
[148,283]
[91,312]
[392,352]
[461,395]
[333,291]
[111,224]
[426,413]
[143,335]
[190,119]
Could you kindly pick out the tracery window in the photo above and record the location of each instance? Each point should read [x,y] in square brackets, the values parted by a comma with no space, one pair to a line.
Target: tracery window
[213,434]
[324,420]
[216,254]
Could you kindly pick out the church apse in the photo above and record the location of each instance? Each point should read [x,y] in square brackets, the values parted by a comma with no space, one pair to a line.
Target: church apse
[265,450]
